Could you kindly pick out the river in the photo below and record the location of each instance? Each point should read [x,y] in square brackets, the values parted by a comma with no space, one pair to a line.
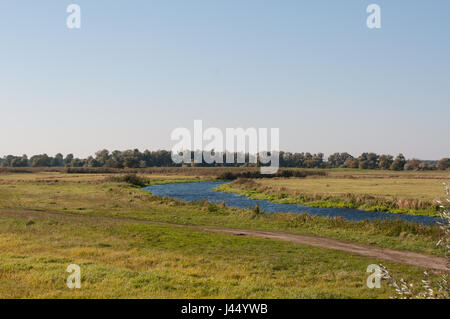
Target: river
[203,191]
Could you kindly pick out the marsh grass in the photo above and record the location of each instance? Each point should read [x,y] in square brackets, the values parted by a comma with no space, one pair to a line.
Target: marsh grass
[427,288]
[317,195]
[131,179]
[230,175]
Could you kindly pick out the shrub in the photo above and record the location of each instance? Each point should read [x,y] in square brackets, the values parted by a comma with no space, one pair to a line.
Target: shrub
[257,210]
[282,173]
[131,179]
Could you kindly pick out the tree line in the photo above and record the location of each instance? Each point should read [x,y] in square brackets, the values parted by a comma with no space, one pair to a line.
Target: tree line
[162,158]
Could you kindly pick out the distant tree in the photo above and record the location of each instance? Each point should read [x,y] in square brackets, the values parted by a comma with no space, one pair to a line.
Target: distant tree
[334,160]
[68,160]
[91,162]
[40,161]
[24,160]
[373,160]
[131,162]
[338,159]
[385,161]
[318,160]
[58,160]
[147,158]
[412,164]
[102,157]
[351,163]
[368,161]
[162,158]
[76,162]
[399,163]
[292,159]
[363,164]
[8,160]
[15,161]
[115,160]
[444,163]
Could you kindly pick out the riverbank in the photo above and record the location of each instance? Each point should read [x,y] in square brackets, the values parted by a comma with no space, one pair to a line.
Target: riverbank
[317,193]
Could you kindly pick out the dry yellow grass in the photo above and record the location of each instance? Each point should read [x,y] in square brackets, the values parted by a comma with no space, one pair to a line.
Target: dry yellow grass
[416,188]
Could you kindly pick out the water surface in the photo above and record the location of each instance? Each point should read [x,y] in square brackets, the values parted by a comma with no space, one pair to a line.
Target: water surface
[203,191]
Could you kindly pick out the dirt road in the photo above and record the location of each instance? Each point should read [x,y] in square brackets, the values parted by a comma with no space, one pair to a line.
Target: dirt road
[404,257]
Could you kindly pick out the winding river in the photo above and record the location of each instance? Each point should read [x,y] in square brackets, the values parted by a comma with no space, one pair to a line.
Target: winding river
[203,191]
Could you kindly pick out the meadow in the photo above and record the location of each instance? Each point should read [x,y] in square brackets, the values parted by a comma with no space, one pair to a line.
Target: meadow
[131,244]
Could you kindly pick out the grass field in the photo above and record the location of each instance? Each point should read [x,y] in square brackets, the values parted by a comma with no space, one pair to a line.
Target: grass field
[129,260]
[49,220]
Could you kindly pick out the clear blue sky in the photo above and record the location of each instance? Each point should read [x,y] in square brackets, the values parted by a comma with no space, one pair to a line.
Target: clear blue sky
[138,69]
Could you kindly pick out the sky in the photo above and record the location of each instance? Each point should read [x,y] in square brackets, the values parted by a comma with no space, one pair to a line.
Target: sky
[136,70]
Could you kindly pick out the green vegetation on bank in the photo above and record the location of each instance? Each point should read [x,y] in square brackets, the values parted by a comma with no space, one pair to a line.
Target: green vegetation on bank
[318,194]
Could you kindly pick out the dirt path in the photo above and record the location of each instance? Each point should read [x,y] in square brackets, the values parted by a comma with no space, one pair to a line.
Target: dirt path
[403,257]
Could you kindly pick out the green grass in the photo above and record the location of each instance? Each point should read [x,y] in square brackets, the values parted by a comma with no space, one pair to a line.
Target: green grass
[102,198]
[126,260]
[51,220]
